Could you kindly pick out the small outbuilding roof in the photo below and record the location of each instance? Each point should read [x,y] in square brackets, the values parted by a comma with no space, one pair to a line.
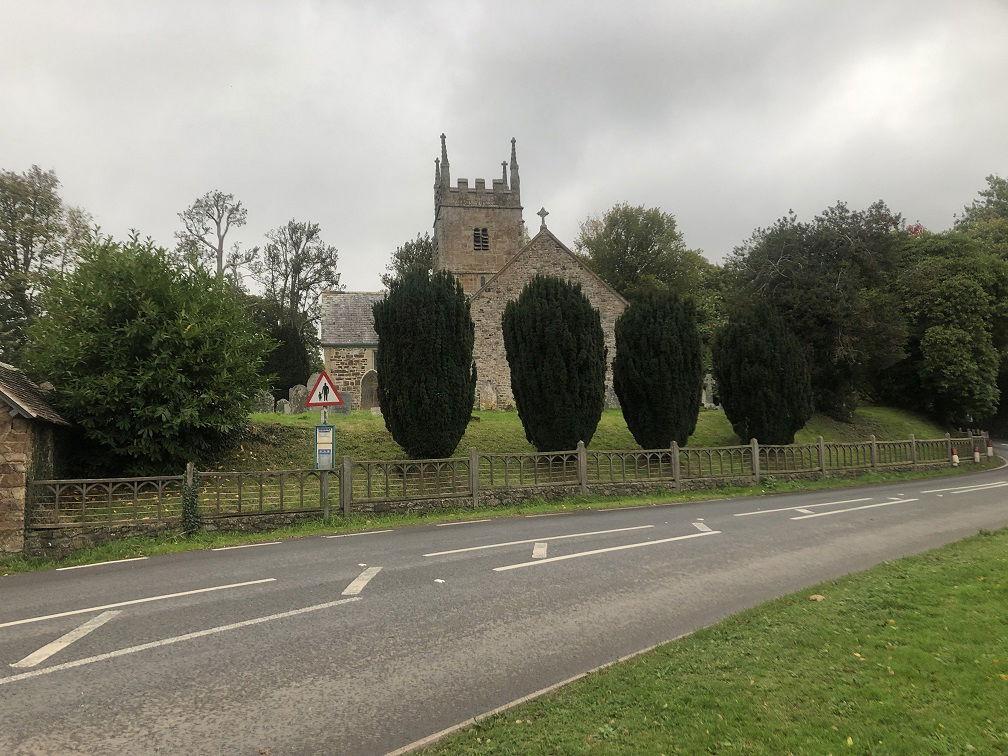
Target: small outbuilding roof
[24,397]
[347,319]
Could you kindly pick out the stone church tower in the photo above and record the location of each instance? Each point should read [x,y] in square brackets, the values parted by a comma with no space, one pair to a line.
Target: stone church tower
[476,229]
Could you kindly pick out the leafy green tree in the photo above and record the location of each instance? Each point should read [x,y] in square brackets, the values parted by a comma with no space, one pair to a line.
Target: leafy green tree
[416,253]
[763,376]
[556,352]
[658,369]
[426,373]
[954,295]
[638,250]
[831,280]
[155,365]
[296,266]
[290,362]
[38,237]
[991,204]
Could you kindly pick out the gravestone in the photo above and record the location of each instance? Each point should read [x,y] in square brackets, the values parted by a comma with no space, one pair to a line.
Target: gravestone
[707,393]
[263,401]
[297,395]
[312,380]
[369,390]
[343,409]
[488,396]
[283,407]
[376,411]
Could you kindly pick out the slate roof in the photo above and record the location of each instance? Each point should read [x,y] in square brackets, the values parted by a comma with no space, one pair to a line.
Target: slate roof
[347,319]
[24,397]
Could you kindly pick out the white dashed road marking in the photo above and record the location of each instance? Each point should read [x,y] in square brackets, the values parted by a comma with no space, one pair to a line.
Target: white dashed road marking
[462,522]
[360,581]
[100,564]
[853,509]
[367,532]
[963,488]
[246,546]
[539,550]
[37,657]
[136,601]
[533,540]
[170,641]
[702,527]
[802,506]
[603,551]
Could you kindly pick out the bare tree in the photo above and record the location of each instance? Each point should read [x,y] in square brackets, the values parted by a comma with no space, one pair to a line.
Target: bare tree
[206,223]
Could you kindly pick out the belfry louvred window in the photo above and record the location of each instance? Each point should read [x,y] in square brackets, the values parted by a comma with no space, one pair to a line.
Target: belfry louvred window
[481,240]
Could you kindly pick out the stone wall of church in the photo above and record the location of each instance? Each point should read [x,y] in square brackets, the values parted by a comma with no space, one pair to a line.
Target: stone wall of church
[546,257]
[346,367]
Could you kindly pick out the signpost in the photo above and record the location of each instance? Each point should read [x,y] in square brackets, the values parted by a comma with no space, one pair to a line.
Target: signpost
[324,395]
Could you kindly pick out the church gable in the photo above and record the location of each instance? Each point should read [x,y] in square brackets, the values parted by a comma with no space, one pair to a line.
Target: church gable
[544,255]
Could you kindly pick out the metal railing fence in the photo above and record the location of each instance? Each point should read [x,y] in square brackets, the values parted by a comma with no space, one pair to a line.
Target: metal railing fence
[119,501]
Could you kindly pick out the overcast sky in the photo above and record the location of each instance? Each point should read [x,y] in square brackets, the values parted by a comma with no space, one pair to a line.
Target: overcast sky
[725,114]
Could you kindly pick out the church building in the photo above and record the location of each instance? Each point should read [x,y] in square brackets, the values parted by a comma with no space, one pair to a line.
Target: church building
[480,236]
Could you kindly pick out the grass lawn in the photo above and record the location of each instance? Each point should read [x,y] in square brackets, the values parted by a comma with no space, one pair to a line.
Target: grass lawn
[284,441]
[910,657]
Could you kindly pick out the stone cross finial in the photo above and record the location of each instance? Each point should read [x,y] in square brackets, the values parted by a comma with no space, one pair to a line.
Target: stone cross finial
[543,212]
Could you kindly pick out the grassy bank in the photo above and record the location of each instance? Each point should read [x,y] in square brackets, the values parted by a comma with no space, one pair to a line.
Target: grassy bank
[909,657]
[275,441]
[169,544]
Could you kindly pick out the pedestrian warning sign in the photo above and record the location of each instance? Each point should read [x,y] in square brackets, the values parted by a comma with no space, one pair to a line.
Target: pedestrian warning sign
[324,394]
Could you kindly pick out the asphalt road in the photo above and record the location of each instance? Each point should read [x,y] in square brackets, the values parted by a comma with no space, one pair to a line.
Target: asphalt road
[306,646]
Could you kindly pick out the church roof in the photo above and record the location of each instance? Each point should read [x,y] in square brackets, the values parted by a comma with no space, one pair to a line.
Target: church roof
[347,319]
[543,231]
[24,397]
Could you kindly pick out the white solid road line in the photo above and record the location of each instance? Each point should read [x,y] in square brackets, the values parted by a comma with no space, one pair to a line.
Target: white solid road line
[853,509]
[366,532]
[360,581]
[135,601]
[962,488]
[170,641]
[99,564]
[65,640]
[533,540]
[463,522]
[246,546]
[603,551]
[802,506]
[539,550]
[702,527]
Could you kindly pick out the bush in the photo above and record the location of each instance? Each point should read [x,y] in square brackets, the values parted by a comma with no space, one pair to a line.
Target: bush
[155,365]
[557,355]
[426,374]
[658,370]
[763,377]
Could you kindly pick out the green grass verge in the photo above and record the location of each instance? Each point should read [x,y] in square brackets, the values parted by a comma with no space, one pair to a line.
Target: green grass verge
[275,441]
[168,544]
[910,657]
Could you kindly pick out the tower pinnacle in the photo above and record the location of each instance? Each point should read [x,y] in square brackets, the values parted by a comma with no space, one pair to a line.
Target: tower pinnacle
[515,183]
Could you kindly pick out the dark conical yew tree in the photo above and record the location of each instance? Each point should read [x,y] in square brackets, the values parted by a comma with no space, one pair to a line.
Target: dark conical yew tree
[556,351]
[763,377]
[426,374]
[658,370]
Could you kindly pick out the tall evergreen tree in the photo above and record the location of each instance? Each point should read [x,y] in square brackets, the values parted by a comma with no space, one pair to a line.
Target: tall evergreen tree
[763,377]
[426,373]
[556,351]
[658,370]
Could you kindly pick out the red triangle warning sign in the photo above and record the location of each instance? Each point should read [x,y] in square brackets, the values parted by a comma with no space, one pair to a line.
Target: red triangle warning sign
[324,394]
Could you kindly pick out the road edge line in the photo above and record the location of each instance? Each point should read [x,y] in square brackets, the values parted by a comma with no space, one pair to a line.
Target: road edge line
[433,738]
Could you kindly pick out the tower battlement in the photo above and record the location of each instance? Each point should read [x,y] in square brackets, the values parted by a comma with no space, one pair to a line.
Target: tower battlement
[476,228]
